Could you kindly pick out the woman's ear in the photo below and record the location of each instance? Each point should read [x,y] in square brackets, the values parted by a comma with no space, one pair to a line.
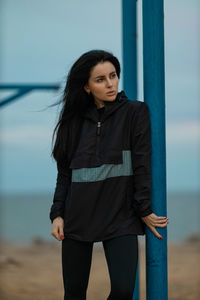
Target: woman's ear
[87,89]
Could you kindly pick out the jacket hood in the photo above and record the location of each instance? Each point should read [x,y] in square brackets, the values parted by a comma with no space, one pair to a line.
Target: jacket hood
[110,107]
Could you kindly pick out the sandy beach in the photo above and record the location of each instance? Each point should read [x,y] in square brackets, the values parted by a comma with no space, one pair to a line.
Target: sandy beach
[33,271]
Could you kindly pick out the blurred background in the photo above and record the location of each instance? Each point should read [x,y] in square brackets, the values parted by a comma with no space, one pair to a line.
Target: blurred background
[40,40]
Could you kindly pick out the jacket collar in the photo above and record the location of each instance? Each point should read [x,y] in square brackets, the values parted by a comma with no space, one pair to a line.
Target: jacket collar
[110,107]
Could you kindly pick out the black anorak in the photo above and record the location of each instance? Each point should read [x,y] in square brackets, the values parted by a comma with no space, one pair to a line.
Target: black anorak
[106,188]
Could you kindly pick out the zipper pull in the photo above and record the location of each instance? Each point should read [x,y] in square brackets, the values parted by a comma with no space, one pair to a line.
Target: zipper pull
[98,128]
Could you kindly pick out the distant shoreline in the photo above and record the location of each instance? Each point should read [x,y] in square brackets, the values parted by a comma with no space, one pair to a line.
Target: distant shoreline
[193,238]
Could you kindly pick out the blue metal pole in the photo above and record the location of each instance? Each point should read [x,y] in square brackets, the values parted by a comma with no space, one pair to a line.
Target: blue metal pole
[129,52]
[22,90]
[154,96]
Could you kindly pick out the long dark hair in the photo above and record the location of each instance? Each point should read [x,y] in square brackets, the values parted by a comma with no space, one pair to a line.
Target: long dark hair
[74,101]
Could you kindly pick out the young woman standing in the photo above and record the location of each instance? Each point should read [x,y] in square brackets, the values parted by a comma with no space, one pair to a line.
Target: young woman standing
[103,153]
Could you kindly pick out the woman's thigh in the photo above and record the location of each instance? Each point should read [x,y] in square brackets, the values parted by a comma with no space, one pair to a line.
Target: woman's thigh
[76,264]
[122,257]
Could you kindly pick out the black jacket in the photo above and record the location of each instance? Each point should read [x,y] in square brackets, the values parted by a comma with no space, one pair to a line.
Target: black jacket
[106,188]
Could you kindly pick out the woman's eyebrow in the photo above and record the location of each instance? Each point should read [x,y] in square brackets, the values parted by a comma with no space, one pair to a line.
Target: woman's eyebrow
[104,75]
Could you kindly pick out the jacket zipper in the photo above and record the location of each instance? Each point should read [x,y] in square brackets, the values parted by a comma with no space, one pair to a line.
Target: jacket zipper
[98,137]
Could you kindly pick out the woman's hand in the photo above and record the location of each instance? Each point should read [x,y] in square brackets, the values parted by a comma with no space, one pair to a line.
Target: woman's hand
[57,228]
[153,221]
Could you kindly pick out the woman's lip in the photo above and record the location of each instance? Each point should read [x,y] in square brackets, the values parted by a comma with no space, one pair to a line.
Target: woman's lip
[110,93]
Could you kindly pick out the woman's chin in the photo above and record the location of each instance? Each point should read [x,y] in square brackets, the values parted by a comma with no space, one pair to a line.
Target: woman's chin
[110,97]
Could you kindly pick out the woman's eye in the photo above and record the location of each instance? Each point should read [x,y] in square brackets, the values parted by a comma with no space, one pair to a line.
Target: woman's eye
[112,76]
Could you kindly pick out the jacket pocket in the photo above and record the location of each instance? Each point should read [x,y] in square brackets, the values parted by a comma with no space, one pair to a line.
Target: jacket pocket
[112,156]
[88,160]
[80,160]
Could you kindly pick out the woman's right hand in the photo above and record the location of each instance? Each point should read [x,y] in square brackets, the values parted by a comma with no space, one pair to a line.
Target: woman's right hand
[57,228]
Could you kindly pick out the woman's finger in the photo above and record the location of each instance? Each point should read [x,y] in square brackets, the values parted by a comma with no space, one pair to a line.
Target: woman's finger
[161,221]
[155,232]
[61,234]
[155,223]
[58,233]
[162,225]
[55,232]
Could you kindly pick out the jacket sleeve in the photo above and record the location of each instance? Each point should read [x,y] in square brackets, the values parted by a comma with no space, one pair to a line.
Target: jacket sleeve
[60,193]
[141,160]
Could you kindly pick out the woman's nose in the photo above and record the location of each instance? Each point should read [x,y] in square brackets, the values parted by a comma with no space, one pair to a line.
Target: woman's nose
[109,82]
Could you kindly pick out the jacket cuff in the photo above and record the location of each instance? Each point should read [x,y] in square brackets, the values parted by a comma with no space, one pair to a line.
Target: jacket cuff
[54,215]
[145,213]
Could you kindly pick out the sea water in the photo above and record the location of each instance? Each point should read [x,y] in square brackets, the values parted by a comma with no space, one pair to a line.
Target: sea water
[25,217]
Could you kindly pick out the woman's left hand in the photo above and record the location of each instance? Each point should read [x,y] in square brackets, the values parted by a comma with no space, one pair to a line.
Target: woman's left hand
[153,221]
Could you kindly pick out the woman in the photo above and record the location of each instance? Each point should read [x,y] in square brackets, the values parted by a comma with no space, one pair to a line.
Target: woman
[102,150]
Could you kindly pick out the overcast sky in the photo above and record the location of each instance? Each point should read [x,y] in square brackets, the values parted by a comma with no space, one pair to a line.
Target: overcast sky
[40,42]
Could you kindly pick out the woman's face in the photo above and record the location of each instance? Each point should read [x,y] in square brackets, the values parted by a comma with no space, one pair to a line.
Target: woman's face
[103,82]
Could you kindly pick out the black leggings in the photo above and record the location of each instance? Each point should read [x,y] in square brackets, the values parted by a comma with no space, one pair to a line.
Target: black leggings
[121,255]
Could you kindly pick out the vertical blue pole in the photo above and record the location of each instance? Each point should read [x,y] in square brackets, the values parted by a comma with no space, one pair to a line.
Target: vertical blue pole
[129,50]
[154,96]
